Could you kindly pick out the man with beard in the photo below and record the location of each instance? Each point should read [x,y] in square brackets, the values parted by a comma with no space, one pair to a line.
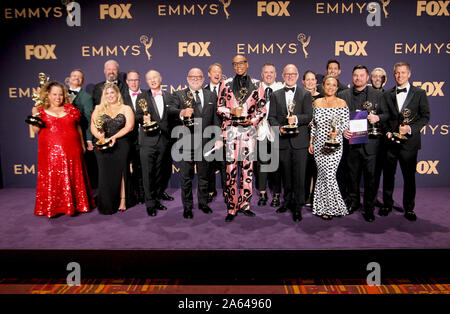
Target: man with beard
[111,71]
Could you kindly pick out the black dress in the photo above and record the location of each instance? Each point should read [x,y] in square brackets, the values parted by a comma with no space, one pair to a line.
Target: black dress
[112,164]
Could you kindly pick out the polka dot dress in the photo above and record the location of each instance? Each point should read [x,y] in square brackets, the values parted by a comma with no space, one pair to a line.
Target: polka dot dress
[327,197]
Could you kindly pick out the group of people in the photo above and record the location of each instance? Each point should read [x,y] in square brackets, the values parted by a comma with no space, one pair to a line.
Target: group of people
[241,127]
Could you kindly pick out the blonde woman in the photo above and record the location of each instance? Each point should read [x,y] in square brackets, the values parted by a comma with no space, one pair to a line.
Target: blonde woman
[62,181]
[113,169]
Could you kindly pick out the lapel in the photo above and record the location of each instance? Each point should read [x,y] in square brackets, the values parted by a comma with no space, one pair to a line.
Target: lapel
[283,104]
[409,97]
[393,102]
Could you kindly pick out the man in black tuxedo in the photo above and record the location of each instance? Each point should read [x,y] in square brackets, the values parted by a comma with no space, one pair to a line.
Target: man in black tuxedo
[361,158]
[191,143]
[133,81]
[215,72]
[403,96]
[111,71]
[292,148]
[333,68]
[154,146]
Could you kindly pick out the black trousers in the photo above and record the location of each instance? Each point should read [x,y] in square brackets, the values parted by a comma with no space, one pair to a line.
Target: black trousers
[264,177]
[186,178]
[408,162]
[342,175]
[380,164]
[152,158]
[360,163]
[166,171]
[136,175]
[293,168]
[311,175]
[221,166]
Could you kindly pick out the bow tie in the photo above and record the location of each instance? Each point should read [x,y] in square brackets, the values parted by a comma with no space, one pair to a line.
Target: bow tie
[358,92]
[135,94]
[72,92]
[286,89]
[157,93]
[401,90]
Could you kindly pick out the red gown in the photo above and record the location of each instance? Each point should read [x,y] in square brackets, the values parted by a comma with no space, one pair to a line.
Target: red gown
[62,182]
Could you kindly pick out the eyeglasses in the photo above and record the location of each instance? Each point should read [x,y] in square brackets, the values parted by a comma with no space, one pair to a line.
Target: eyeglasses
[291,74]
[235,64]
[195,77]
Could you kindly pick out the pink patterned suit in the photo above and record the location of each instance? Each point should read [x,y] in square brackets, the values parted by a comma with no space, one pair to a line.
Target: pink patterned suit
[240,142]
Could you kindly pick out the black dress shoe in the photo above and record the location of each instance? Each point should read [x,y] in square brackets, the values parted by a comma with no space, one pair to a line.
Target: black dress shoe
[160,207]
[378,204]
[230,218]
[275,200]
[410,215]
[384,211]
[353,208]
[166,197]
[368,216]
[205,208]
[282,209]
[151,211]
[213,194]
[187,213]
[297,216]
[247,212]
[262,199]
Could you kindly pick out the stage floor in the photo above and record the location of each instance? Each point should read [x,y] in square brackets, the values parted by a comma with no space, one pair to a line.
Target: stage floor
[133,229]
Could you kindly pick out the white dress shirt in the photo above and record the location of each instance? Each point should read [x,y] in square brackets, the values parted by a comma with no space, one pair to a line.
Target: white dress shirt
[401,97]
[133,98]
[159,104]
[289,98]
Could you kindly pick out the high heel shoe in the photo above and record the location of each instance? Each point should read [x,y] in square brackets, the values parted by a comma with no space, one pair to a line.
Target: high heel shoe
[122,209]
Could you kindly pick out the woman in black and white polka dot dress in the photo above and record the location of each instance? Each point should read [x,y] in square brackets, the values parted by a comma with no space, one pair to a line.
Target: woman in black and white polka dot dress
[328,200]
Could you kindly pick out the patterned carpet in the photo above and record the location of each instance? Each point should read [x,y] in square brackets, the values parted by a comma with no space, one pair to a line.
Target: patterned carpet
[169,286]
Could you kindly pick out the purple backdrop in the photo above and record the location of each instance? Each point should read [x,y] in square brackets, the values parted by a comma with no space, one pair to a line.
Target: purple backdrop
[42,38]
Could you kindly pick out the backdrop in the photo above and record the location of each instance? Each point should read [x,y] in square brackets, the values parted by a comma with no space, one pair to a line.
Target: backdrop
[172,36]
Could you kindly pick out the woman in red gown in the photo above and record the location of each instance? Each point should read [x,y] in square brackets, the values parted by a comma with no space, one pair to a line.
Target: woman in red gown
[62,182]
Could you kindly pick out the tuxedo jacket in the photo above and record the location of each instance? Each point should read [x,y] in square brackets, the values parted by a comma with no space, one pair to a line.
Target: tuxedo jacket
[128,101]
[208,113]
[85,104]
[98,90]
[417,102]
[375,97]
[303,110]
[163,133]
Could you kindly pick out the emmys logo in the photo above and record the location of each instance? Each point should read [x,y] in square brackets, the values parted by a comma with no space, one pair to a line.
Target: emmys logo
[427,167]
[73,13]
[350,48]
[194,49]
[20,169]
[421,48]
[433,8]
[436,129]
[305,42]
[115,11]
[18,92]
[273,8]
[40,52]
[352,7]
[73,10]
[194,9]
[432,88]
[147,44]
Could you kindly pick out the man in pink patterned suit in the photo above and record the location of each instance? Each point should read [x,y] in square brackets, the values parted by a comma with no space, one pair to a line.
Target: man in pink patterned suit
[242,97]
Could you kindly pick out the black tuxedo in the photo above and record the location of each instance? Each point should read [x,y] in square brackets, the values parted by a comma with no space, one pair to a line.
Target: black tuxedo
[406,154]
[360,159]
[98,90]
[206,115]
[293,149]
[154,147]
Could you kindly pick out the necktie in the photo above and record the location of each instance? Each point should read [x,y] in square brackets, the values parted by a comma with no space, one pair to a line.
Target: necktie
[198,101]
[156,93]
[401,90]
[268,93]
[73,92]
[135,94]
[286,89]
[215,90]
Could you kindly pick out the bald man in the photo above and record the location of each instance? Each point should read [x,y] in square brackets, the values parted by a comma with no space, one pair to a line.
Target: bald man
[204,113]
[154,146]
[111,71]
[240,138]
[293,148]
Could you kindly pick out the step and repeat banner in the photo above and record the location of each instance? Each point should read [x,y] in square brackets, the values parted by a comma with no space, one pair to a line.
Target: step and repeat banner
[56,37]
